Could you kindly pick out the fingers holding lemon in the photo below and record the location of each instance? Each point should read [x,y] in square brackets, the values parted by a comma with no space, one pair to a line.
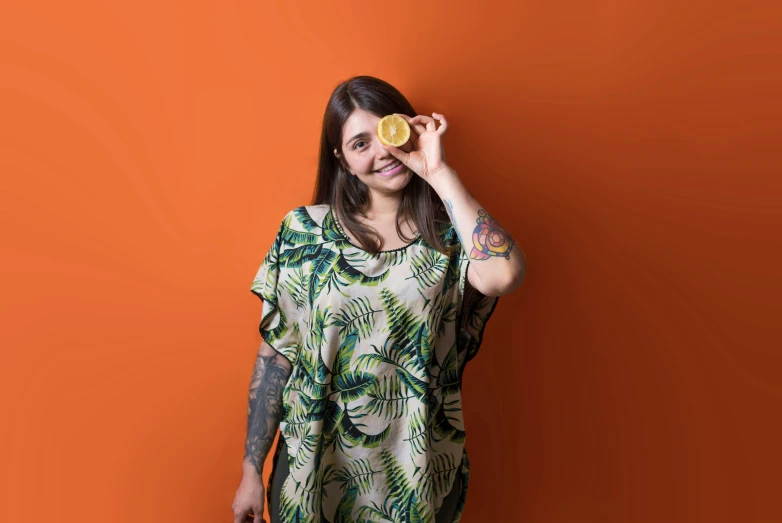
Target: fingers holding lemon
[416,142]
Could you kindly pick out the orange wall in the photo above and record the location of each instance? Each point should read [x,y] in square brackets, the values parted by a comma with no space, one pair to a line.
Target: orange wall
[149,150]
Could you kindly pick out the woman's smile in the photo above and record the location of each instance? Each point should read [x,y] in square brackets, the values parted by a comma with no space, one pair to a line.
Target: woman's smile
[398,166]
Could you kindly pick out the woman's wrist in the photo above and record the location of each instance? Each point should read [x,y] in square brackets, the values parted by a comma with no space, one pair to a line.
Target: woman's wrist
[249,472]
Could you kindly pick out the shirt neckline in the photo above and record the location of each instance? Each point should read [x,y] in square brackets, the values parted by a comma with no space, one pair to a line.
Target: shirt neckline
[347,238]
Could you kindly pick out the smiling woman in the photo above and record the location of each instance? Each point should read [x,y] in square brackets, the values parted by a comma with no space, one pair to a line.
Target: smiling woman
[364,164]
[367,294]
[352,153]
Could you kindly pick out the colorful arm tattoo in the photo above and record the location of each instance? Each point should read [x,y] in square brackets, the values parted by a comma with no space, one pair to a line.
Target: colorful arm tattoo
[488,238]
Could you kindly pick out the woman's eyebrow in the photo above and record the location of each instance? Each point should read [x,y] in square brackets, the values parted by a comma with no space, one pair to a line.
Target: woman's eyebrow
[365,134]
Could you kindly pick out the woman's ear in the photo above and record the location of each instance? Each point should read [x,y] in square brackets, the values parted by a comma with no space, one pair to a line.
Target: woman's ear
[342,162]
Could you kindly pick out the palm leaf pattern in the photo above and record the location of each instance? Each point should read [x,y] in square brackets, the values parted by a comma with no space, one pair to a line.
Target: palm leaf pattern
[427,269]
[359,474]
[389,398]
[295,287]
[378,345]
[358,314]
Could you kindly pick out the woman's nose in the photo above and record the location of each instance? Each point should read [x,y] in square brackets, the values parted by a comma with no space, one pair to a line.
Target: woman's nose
[379,151]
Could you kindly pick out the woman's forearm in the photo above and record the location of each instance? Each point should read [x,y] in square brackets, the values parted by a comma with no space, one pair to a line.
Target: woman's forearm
[501,263]
[270,375]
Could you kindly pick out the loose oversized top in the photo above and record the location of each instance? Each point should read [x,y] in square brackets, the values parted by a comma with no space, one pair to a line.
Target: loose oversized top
[378,344]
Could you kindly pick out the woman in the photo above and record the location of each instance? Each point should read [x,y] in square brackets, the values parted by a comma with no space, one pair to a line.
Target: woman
[371,309]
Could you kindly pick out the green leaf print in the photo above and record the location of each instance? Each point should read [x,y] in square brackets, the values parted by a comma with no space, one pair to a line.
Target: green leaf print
[354,435]
[296,287]
[376,512]
[353,275]
[407,334]
[298,255]
[418,434]
[400,491]
[315,477]
[449,379]
[448,316]
[339,429]
[396,478]
[423,347]
[345,353]
[438,477]
[345,507]
[279,331]
[352,386]
[428,268]
[356,257]
[444,428]
[395,357]
[291,511]
[304,218]
[389,398]
[309,491]
[412,510]
[320,272]
[304,379]
[383,355]
[294,237]
[320,319]
[323,372]
[306,450]
[414,384]
[329,231]
[393,258]
[357,315]
[332,416]
[296,420]
[331,270]
[357,474]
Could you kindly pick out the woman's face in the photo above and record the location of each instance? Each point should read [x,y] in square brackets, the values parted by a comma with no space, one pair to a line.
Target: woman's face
[363,151]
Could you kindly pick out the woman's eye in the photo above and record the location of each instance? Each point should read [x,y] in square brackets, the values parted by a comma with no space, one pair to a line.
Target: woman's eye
[356,144]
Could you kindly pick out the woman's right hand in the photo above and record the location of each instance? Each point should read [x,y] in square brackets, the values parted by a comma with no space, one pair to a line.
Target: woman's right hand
[249,496]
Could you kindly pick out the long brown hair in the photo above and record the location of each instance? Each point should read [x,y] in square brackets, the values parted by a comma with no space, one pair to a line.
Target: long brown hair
[347,194]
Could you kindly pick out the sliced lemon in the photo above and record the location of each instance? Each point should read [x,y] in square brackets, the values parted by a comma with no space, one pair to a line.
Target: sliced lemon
[393,130]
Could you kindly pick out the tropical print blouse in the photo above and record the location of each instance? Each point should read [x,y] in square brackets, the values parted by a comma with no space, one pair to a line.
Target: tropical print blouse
[378,345]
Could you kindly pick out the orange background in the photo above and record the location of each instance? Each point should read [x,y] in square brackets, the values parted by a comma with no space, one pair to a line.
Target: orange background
[149,150]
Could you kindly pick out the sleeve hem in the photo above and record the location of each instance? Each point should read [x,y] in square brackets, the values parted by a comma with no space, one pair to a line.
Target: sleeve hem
[265,336]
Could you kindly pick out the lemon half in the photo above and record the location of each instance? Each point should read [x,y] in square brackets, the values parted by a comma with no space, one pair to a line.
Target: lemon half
[393,130]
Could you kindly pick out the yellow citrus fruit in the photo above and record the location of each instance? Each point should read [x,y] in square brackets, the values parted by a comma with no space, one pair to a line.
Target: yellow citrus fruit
[393,130]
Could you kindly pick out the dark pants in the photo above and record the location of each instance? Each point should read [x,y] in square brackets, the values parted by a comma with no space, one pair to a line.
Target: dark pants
[281,471]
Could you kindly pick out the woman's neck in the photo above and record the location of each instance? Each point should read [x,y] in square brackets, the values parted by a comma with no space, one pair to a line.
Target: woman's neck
[384,206]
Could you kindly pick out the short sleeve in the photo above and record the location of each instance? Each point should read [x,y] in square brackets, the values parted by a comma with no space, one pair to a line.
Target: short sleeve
[280,314]
[476,309]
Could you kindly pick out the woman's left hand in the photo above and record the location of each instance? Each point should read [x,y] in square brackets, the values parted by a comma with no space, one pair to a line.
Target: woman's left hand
[423,153]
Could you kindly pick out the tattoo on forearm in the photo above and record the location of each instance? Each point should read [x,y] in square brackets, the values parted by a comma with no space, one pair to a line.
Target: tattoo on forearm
[488,238]
[449,210]
[265,407]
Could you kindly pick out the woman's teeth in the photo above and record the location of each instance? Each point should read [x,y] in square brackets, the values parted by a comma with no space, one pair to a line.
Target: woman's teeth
[389,168]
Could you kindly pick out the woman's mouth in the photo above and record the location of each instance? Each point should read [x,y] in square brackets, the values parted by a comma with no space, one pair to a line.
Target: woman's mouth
[393,169]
